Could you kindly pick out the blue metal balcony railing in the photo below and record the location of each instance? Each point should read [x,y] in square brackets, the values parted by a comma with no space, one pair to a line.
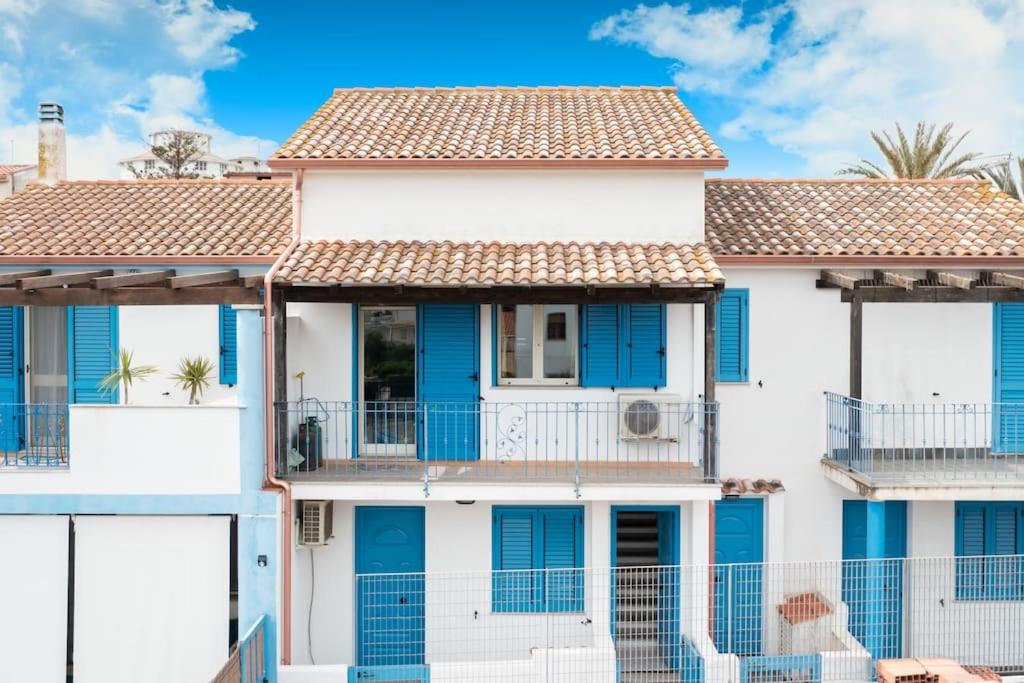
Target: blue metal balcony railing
[573,442]
[248,660]
[34,435]
[894,442]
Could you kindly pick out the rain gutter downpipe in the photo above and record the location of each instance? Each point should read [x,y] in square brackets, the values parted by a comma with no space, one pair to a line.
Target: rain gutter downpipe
[272,482]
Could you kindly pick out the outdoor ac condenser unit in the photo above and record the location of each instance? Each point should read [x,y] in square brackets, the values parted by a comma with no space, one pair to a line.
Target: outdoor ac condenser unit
[646,416]
[317,522]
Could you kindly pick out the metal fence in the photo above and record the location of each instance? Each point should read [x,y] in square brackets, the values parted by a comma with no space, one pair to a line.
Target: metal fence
[573,442]
[826,621]
[926,441]
[247,662]
[34,435]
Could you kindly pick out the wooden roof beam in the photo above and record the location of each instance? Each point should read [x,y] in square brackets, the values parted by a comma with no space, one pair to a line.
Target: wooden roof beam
[12,278]
[896,280]
[60,280]
[132,279]
[218,277]
[951,280]
[836,279]
[1008,280]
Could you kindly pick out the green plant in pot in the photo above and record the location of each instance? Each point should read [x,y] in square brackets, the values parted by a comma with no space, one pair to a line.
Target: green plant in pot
[194,375]
[125,374]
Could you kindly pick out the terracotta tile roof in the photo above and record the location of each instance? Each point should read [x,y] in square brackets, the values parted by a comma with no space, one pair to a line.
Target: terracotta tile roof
[447,264]
[861,218]
[797,609]
[148,218]
[502,123]
[7,169]
[734,486]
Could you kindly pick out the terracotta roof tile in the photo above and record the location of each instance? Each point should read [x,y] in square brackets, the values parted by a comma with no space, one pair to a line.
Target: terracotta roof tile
[861,218]
[734,486]
[446,264]
[502,123]
[7,169]
[148,218]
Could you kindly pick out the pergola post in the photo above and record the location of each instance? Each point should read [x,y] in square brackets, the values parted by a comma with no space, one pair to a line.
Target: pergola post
[856,347]
[711,414]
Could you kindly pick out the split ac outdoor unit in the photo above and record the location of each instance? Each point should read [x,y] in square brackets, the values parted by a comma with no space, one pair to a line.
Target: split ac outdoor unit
[317,522]
[647,416]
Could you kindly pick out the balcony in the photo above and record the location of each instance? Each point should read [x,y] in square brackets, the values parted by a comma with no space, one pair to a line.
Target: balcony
[915,447]
[821,621]
[576,443]
[81,449]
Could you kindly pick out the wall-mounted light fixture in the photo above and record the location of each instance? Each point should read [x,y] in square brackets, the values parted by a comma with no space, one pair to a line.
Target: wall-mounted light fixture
[261,560]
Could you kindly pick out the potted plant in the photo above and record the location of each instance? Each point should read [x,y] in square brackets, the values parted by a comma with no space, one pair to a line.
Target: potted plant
[125,374]
[193,376]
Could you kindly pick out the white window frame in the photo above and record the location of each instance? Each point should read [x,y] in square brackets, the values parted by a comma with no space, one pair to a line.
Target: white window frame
[539,333]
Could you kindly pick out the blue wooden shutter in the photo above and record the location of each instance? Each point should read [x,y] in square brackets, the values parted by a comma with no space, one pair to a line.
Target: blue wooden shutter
[228,325]
[732,338]
[970,546]
[562,548]
[1009,377]
[515,587]
[644,345]
[1002,574]
[600,357]
[11,378]
[92,348]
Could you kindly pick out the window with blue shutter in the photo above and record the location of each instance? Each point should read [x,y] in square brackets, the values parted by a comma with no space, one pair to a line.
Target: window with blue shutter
[623,345]
[732,316]
[538,559]
[228,345]
[989,539]
[92,352]
[11,377]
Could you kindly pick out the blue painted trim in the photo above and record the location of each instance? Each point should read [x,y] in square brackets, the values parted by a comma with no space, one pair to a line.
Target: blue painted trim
[71,504]
[356,323]
[776,668]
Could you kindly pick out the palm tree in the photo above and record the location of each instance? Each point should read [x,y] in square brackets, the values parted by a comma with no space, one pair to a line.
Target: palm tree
[929,155]
[1001,175]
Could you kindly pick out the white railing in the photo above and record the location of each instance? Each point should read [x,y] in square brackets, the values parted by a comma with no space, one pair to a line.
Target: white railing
[824,621]
[926,441]
[574,442]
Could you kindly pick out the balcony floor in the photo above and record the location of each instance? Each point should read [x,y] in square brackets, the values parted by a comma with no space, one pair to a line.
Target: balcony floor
[997,477]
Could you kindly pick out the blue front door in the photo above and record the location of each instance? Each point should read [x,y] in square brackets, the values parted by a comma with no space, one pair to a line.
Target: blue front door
[449,381]
[1008,377]
[11,379]
[738,575]
[860,576]
[389,586]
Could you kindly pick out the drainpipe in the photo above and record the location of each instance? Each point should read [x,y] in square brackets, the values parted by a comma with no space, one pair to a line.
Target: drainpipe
[711,568]
[270,419]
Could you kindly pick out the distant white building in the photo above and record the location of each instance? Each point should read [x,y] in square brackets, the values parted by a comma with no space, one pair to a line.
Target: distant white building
[14,178]
[208,165]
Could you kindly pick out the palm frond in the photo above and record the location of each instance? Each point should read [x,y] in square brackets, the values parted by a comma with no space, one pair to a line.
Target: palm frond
[930,154]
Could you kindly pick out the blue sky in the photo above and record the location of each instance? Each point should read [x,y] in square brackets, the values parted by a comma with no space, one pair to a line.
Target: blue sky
[787,87]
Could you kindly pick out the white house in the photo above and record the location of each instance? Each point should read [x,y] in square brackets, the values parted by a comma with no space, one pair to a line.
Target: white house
[205,165]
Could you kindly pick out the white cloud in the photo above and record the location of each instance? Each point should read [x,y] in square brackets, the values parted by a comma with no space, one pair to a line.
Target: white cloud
[838,69]
[121,68]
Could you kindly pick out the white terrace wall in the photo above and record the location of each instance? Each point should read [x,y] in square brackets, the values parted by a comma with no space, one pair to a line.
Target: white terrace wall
[774,425]
[522,205]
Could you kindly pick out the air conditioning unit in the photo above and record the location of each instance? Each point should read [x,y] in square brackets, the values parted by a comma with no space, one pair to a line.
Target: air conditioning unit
[647,416]
[317,523]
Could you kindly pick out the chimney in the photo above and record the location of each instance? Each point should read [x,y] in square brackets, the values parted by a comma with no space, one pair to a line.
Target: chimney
[53,162]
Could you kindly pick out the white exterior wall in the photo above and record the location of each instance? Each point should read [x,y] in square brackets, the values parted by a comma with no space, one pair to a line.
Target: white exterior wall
[774,425]
[458,540]
[523,205]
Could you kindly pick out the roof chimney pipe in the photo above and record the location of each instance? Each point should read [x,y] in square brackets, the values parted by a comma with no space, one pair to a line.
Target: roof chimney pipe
[53,163]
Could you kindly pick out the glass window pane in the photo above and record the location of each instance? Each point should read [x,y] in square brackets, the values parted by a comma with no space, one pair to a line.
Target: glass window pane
[389,375]
[48,354]
[559,328]
[515,341]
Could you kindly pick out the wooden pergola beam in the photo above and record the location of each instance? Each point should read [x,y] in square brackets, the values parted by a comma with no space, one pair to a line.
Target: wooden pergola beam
[60,279]
[951,279]
[1008,280]
[896,279]
[491,295]
[128,296]
[11,278]
[132,279]
[201,279]
[834,278]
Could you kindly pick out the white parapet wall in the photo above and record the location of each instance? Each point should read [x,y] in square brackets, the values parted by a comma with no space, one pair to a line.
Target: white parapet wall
[136,450]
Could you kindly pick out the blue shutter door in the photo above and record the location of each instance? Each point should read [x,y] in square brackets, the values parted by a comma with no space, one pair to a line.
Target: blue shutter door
[600,358]
[515,588]
[449,381]
[1008,380]
[562,560]
[731,354]
[739,552]
[1002,574]
[11,378]
[228,325]
[93,352]
[645,345]
[970,544]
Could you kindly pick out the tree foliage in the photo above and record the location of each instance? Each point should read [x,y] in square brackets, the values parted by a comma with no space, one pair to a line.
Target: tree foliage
[931,154]
[179,150]
[1001,175]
